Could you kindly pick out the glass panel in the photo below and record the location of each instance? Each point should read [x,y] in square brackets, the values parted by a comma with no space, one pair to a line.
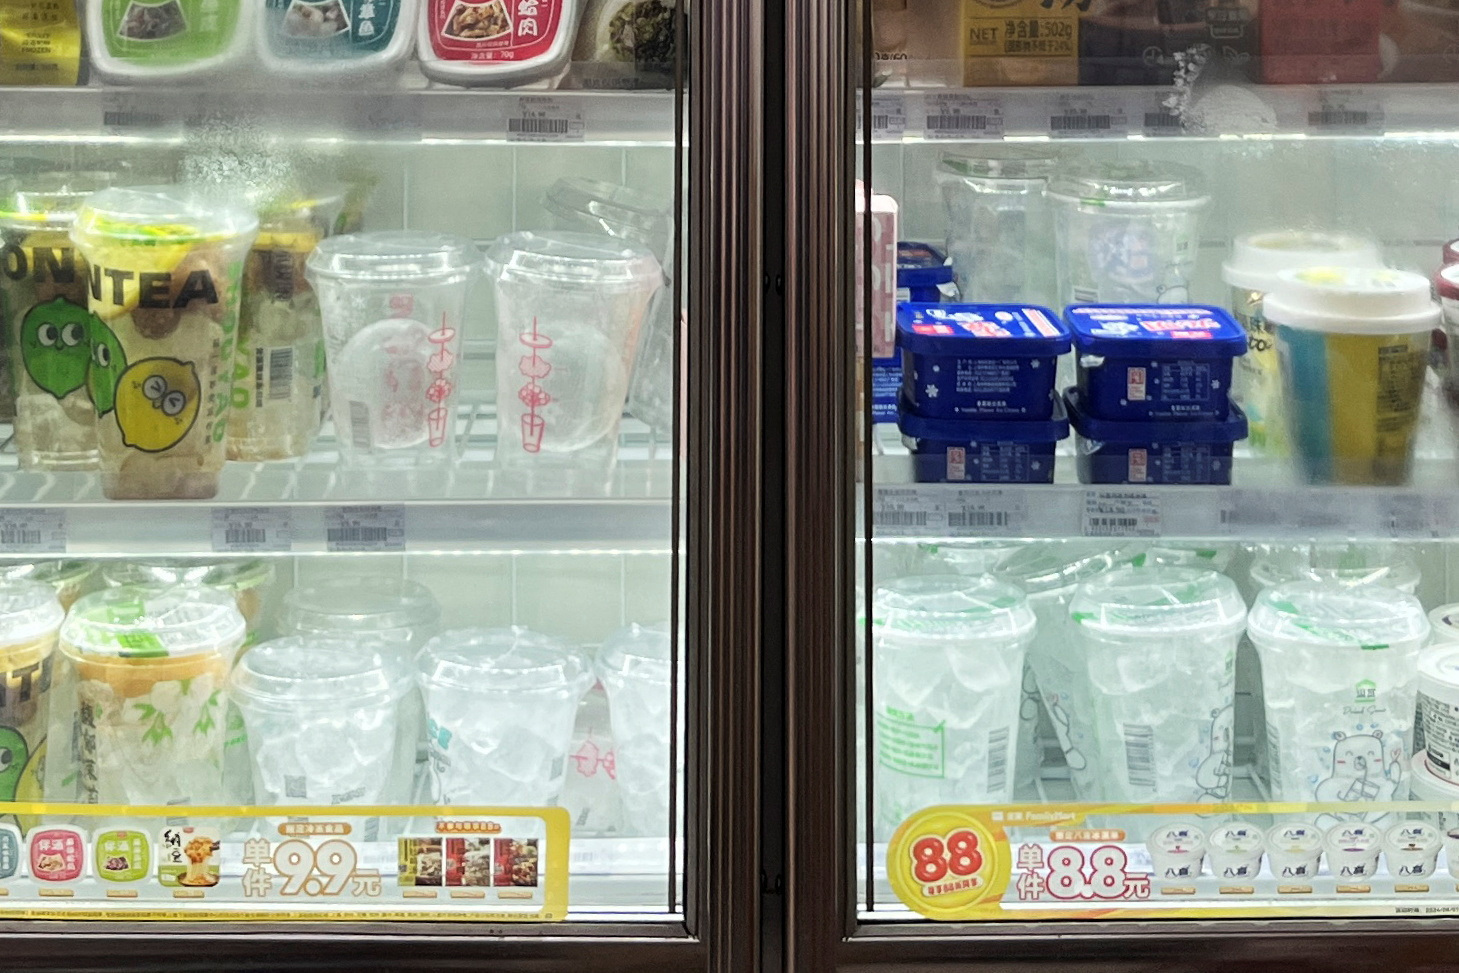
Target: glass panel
[341,421]
[1159,455]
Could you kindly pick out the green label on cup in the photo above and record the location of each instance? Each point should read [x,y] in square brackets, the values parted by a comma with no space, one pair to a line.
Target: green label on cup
[140,645]
[167,32]
[123,856]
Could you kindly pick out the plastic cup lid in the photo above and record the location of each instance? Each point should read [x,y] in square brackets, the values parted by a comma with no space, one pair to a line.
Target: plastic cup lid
[1131,182]
[572,258]
[1215,557]
[50,200]
[1448,279]
[317,670]
[1012,162]
[1257,258]
[29,610]
[161,215]
[233,574]
[54,573]
[1237,839]
[1445,623]
[395,255]
[1361,300]
[1135,601]
[1327,614]
[619,210]
[1038,568]
[359,605]
[139,623]
[953,607]
[1438,672]
[1413,836]
[1177,839]
[1451,252]
[500,660]
[970,557]
[1294,839]
[1388,565]
[1425,785]
[1354,838]
[646,651]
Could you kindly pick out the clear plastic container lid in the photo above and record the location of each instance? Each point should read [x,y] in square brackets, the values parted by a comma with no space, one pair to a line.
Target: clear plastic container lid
[572,258]
[395,255]
[50,200]
[57,574]
[1322,613]
[1012,162]
[360,605]
[1136,601]
[1257,258]
[1038,568]
[953,606]
[1389,565]
[29,610]
[137,623]
[1360,300]
[233,574]
[502,660]
[161,215]
[617,210]
[308,669]
[1131,182]
[968,557]
[638,652]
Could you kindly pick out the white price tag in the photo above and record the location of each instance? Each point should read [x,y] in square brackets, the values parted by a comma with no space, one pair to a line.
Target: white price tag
[950,511]
[888,116]
[1243,511]
[901,512]
[543,119]
[1344,111]
[32,530]
[1162,117]
[1088,116]
[131,113]
[252,529]
[1121,513]
[959,115]
[372,528]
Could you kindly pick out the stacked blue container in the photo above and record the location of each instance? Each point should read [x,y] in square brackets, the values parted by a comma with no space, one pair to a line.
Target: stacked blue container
[923,277]
[978,403]
[1153,403]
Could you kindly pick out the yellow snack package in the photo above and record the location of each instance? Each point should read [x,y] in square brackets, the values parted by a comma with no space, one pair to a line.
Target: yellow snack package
[40,43]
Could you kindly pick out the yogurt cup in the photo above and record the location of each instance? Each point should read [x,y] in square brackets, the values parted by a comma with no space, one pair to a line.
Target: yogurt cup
[324,39]
[1354,346]
[979,361]
[1236,851]
[982,450]
[1198,451]
[1152,362]
[1352,851]
[1251,271]
[1294,851]
[1176,852]
[1445,623]
[1438,708]
[1412,850]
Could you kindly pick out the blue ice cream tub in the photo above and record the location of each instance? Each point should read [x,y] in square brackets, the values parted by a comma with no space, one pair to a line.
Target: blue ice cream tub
[1155,361]
[1158,451]
[923,274]
[980,361]
[982,450]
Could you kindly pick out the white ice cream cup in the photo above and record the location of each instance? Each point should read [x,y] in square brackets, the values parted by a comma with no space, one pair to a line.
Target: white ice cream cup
[1176,851]
[1295,852]
[1412,848]
[1353,850]
[1425,785]
[1236,850]
[1438,708]
[1445,623]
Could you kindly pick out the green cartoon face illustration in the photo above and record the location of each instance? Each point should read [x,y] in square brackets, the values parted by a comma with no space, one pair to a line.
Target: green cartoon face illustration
[107,364]
[13,754]
[53,346]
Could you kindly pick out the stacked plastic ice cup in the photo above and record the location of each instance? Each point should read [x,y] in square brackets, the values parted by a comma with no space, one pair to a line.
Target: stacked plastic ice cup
[947,660]
[635,666]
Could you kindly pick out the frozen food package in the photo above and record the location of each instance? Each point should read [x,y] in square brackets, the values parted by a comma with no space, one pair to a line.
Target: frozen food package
[40,43]
[479,43]
[151,41]
[324,39]
[626,44]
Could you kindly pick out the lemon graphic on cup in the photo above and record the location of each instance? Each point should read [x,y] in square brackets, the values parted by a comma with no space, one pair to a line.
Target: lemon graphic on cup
[157,403]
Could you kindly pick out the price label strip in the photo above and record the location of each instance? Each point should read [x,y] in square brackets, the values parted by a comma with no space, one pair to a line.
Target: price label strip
[1122,513]
[239,530]
[32,530]
[543,119]
[958,115]
[937,511]
[364,529]
[1342,111]
[285,863]
[1087,116]
[888,116]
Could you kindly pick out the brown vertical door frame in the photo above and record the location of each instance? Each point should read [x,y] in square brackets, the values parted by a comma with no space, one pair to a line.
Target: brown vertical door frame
[820,476]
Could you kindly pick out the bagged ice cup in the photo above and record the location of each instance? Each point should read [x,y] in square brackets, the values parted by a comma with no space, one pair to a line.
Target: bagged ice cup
[1159,649]
[947,660]
[1353,851]
[1295,852]
[635,666]
[1176,852]
[1000,229]
[1329,651]
[1352,563]
[148,670]
[397,613]
[500,705]
[69,579]
[246,580]
[1049,574]
[1235,850]
[166,267]
[1412,850]
[30,616]
[325,722]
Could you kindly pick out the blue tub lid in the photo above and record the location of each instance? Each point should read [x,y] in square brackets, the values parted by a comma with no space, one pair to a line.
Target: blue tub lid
[922,265]
[1155,331]
[1008,330]
[1048,430]
[1228,430]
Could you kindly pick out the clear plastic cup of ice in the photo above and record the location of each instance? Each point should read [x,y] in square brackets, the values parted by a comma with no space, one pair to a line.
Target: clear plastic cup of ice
[635,666]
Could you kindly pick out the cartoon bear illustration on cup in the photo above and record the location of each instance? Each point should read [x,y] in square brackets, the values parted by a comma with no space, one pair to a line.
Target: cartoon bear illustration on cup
[1213,776]
[1361,771]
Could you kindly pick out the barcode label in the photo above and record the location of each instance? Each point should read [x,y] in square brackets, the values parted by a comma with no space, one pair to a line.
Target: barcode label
[273,375]
[977,518]
[33,530]
[1059,124]
[373,528]
[1340,110]
[1087,115]
[360,436]
[888,115]
[537,126]
[901,518]
[997,762]
[958,123]
[1140,754]
[1120,513]
[1337,118]
[239,530]
[545,120]
[957,115]
[948,511]
[1163,123]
